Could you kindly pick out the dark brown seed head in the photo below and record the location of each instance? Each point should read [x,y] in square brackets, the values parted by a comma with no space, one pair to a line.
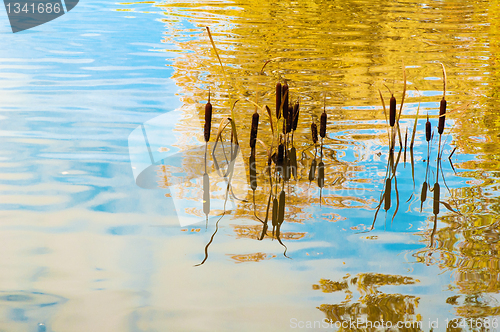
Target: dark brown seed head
[285,92]
[322,125]
[442,112]
[423,193]
[278,100]
[437,189]
[321,174]
[314,131]
[275,212]
[296,109]
[292,155]
[392,111]
[253,172]
[281,210]
[208,119]
[387,194]
[428,130]
[312,170]
[289,119]
[281,154]
[253,131]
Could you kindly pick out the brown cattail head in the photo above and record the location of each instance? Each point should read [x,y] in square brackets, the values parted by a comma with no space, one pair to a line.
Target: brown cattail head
[275,214]
[314,131]
[253,172]
[392,111]
[281,208]
[442,112]
[253,131]
[428,130]
[423,194]
[278,100]
[322,125]
[285,92]
[312,170]
[281,154]
[387,194]
[296,110]
[292,155]
[289,119]
[208,119]
[437,189]
[321,174]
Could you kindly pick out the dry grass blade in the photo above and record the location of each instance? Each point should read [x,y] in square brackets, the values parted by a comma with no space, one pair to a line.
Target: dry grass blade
[444,80]
[233,124]
[385,112]
[215,50]
[402,103]
[268,61]
[414,128]
[452,152]
[222,125]
[270,118]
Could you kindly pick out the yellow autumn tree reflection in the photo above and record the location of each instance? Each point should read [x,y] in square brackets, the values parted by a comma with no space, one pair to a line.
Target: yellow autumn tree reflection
[346,50]
[373,307]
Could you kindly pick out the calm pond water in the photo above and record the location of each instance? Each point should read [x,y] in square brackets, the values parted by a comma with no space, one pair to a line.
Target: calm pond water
[91,235]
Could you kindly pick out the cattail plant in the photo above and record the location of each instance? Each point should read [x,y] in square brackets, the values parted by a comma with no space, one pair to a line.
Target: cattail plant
[322,123]
[392,110]
[387,194]
[279,94]
[314,132]
[442,112]
[281,154]
[321,178]
[442,105]
[289,119]
[275,214]
[292,157]
[253,131]
[437,189]
[286,93]
[428,129]
[281,208]
[296,110]
[208,118]
[253,173]
[206,196]
[423,195]
[312,170]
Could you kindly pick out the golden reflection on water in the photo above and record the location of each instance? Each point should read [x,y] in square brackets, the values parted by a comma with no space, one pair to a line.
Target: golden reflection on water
[347,50]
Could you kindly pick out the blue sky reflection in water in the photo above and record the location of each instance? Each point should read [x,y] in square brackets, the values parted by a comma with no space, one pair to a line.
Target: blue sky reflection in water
[110,256]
